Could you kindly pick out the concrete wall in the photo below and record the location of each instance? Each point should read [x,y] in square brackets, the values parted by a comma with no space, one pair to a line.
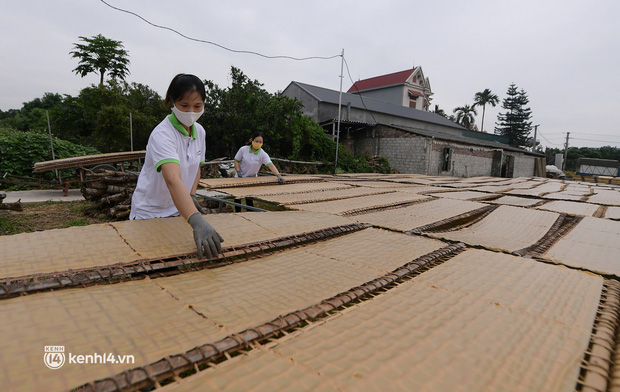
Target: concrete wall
[327,111]
[524,166]
[405,152]
[467,161]
[391,95]
[410,153]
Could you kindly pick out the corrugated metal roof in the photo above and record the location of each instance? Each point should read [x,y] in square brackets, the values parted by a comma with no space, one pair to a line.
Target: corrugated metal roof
[464,139]
[373,105]
[597,162]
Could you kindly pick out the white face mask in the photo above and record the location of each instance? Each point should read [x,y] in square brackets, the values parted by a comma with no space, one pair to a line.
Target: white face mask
[187,118]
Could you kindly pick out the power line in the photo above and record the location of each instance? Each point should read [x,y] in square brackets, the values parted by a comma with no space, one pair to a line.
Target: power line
[218,45]
[586,134]
[358,91]
[543,136]
[594,140]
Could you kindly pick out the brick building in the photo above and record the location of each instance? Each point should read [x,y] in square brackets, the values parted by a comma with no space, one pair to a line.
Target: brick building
[413,141]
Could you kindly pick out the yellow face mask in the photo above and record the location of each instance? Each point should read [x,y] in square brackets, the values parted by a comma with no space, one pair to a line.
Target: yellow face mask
[256,146]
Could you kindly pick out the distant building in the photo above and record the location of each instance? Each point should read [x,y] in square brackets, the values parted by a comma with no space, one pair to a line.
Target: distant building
[407,88]
[412,140]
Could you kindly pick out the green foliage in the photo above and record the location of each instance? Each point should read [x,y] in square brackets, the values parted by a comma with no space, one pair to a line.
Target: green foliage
[98,117]
[233,114]
[483,99]
[75,222]
[100,55]
[515,122]
[19,151]
[465,116]
[574,153]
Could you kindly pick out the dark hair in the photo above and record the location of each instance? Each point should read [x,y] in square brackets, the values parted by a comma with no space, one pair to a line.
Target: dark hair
[181,85]
[255,134]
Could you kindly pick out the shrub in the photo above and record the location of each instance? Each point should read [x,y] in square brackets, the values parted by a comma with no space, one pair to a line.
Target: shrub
[19,151]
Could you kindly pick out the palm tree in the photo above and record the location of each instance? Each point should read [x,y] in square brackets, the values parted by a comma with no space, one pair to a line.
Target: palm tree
[101,55]
[440,111]
[484,98]
[465,115]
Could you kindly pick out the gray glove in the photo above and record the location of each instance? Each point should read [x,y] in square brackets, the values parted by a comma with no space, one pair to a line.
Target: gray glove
[239,173]
[205,236]
[198,206]
[281,179]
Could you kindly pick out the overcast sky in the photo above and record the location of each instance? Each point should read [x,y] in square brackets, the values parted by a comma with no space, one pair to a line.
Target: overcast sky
[563,53]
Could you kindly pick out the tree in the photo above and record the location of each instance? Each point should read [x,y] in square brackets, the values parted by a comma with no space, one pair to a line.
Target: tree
[100,55]
[482,99]
[465,116]
[440,111]
[232,115]
[515,122]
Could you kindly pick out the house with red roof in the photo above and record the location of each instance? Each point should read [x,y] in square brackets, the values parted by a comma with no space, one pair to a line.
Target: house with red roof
[409,88]
[412,140]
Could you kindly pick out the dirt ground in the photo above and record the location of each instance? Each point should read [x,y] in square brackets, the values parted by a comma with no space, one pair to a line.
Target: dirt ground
[46,216]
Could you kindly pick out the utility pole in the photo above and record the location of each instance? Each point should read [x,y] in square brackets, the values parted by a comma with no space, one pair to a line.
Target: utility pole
[49,128]
[565,151]
[339,109]
[534,141]
[131,131]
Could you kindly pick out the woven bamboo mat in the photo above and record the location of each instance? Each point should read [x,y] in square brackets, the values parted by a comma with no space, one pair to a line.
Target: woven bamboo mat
[507,228]
[482,321]
[61,249]
[126,241]
[515,201]
[163,237]
[481,180]
[471,183]
[605,197]
[613,213]
[88,160]
[223,183]
[136,318]
[570,208]
[248,294]
[422,189]
[286,223]
[376,184]
[578,189]
[493,188]
[360,203]
[407,218]
[463,195]
[564,195]
[549,187]
[285,189]
[327,195]
[594,244]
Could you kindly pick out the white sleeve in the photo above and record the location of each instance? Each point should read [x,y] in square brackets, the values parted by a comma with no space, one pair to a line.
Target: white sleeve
[239,156]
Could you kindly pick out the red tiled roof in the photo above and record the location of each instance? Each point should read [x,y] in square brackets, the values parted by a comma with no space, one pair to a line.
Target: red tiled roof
[413,92]
[380,81]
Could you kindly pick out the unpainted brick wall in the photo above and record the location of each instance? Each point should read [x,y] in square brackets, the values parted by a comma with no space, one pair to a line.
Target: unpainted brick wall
[466,161]
[525,166]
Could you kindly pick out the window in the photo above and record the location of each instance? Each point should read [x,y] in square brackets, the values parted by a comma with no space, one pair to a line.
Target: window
[412,103]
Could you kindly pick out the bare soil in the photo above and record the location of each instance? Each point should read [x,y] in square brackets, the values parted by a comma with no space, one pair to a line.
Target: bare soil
[46,216]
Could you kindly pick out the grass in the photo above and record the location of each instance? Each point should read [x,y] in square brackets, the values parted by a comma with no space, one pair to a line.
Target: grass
[46,216]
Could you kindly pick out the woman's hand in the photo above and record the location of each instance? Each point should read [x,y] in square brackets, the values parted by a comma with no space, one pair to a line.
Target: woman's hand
[206,237]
